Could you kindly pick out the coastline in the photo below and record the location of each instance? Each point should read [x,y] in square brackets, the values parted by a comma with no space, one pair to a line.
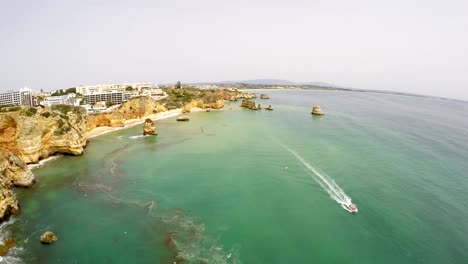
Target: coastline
[98,131]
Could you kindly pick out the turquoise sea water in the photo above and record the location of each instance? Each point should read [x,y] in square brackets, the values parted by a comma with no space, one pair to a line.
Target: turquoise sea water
[241,186]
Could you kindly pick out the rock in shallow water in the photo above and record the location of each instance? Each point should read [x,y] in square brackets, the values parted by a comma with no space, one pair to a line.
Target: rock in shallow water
[48,238]
[149,128]
[183,118]
[316,110]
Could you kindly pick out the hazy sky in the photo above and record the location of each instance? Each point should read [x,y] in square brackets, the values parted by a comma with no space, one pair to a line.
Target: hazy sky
[412,46]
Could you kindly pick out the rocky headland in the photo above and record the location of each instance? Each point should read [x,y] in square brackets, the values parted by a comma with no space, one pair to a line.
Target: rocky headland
[37,133]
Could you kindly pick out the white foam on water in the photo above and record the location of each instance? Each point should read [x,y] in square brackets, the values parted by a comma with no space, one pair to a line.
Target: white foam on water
[137,136]
[14,253]
[325,181]
[43,162]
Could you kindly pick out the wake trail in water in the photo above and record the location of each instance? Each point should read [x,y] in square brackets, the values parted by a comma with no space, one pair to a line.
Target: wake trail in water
[325,181]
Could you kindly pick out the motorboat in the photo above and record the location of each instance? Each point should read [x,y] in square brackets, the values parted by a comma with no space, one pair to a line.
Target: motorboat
[350,207]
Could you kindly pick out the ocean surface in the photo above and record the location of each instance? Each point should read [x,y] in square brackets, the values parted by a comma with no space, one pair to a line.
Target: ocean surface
[242,186]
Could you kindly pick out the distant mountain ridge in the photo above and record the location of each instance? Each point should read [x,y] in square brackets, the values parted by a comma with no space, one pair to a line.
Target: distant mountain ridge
[278,82]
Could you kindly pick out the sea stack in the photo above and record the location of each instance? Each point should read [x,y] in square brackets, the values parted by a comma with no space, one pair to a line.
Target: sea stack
[316,110]
[269,108]
[249,104]
[183,118]
[48,238]
[264,96]
[149,128]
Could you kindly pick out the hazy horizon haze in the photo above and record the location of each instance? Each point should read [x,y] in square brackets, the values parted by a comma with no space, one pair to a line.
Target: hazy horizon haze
[416,47]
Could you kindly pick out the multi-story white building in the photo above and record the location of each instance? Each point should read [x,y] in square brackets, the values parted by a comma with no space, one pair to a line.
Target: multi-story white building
[21,97]
[68,99]
[114,97]
[118,93]
[104,88]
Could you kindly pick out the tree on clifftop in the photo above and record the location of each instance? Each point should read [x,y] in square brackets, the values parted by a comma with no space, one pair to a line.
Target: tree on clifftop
[178,85]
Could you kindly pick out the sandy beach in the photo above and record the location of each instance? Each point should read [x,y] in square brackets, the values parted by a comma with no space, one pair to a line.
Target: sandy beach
[133,122]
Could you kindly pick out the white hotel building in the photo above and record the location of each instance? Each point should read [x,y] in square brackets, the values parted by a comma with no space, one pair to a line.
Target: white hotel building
[21,97]
[118,93]
[105,88]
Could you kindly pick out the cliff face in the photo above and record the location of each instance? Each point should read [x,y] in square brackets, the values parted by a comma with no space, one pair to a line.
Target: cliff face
[135,108]
[140,107]
[35,133]
[13,172]
[114,119]
[234,96]
[218,104]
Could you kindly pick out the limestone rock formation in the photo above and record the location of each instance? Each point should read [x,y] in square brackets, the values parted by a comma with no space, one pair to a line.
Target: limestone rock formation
[114,119]
[183,118]
[149,127]
[217,104]
[135,108]
[140,107]
[316,110]
[240,95]
[48,237]
[18,172]
[37,134]
[269,108]
[13,172]
[249,104]
[8,203]
[264,96]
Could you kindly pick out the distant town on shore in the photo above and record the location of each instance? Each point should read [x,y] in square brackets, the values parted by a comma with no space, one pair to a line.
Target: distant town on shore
[102,97]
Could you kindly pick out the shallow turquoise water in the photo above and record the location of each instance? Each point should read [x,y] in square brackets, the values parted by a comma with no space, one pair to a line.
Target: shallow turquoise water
[225,184]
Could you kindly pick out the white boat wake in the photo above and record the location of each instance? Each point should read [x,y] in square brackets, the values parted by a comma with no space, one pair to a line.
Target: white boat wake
[325,181]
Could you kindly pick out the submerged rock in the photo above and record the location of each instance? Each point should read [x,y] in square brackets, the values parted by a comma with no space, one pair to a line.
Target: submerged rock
[264,96]
[316,110]
[269,108]
[149,128]
[48,237]
[8,243]
[183,118]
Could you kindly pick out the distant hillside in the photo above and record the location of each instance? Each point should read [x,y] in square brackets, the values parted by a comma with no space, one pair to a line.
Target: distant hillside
[278,82]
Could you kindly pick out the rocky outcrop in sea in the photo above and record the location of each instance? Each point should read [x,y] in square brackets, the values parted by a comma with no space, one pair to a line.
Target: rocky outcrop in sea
[149,128]
[316,110]
[48,237]
[249,104]
[183,118]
